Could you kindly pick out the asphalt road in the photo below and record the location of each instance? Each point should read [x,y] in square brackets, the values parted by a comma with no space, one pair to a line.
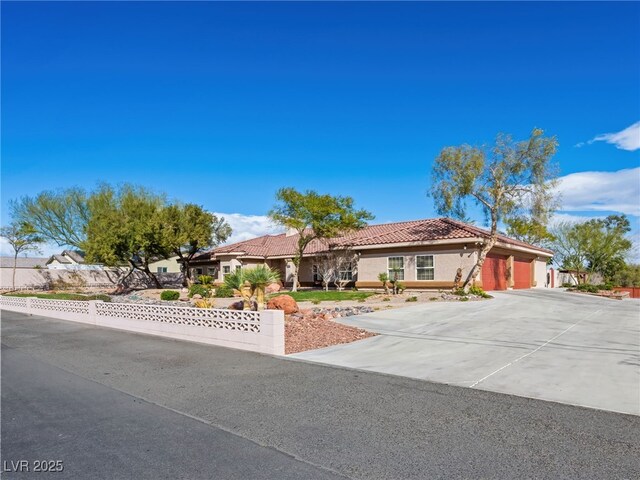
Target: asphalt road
[111,404]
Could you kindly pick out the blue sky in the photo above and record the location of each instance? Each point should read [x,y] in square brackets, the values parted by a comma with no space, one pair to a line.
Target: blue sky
[223,103]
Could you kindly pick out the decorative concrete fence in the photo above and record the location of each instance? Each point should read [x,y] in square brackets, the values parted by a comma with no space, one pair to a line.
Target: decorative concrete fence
[256,331]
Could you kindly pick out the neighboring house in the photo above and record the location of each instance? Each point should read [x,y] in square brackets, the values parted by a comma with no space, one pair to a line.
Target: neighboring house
[425,254]
[168,265]
[70,260]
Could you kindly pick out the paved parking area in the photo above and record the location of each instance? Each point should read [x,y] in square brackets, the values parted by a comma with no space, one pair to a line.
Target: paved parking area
[545,344]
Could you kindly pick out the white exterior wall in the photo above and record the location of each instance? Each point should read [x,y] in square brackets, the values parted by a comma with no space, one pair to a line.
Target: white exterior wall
[256,331]
[540,274]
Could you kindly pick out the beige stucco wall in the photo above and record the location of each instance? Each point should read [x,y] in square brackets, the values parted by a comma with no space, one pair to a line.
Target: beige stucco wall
[233,262]
[446,262]
[171,263]
[39,277]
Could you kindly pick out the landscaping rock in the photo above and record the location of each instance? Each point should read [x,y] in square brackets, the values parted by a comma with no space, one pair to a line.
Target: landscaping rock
[240,305]
[283,302]
[197,296]
[273,288]
[315,331]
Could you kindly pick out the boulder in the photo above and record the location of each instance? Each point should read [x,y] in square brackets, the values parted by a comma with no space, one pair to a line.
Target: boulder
[236,306]
[273,288]
[240,305]
[197,296]
[285,303]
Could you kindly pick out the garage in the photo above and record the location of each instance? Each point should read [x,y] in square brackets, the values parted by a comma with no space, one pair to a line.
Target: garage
[494,272]
[521,273]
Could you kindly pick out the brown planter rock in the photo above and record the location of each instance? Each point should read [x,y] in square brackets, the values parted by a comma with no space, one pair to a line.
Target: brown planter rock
[273,288]
[283,302]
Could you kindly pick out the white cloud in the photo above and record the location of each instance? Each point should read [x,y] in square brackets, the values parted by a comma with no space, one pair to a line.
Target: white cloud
[601,191]
[249,226]
[560,217]
[627,139]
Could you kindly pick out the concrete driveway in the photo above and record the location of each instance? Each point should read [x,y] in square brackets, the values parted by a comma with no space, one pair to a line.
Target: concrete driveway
[545,344]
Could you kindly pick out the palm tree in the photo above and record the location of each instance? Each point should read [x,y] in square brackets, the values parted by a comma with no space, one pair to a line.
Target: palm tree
[259,278]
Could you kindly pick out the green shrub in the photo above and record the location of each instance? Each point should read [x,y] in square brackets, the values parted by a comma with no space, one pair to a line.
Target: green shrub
[460,291]
[169,295]
[412,299]
[478,292]
[223,291]
[400,287]
[205,279]
[197,289]
[316,301]
[587,287]
[433,299]
[386,299]
[464,299]
[590,288]
[361,300]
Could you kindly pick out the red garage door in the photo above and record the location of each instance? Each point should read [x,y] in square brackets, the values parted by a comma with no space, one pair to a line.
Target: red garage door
[494,273]
[521,273]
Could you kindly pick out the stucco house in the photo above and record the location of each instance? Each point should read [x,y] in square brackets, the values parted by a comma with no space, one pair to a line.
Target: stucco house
[425,254]
[165,265]
[70,260]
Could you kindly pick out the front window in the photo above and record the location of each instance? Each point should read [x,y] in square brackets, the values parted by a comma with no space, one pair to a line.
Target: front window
[226,270]
[162,269]
[396,268]
[212,271]
[199,271]
[346,272]
[424,267]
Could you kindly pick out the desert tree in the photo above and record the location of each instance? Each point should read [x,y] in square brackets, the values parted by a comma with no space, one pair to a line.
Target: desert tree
[188,230]
[529,230]
[22,238]
[125,227]
[344,261]
[594,246]
[315,216]
[570,247]
[60,217]
[325,269]
[509,180]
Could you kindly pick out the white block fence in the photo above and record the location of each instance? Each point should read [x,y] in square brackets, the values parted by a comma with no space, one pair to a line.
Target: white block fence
[256,331]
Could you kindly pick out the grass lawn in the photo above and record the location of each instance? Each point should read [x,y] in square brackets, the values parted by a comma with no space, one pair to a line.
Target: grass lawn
[61,296]
[321,295]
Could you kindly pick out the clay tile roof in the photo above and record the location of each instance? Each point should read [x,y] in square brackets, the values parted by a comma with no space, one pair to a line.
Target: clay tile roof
[74,255]
[415,231]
